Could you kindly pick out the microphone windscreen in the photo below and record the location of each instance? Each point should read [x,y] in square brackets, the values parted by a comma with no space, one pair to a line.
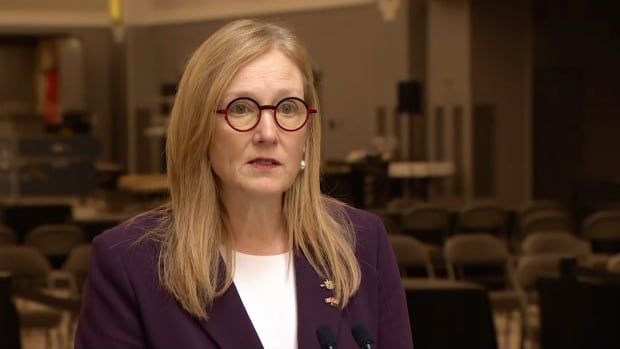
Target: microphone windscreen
[326,337]
[362,335]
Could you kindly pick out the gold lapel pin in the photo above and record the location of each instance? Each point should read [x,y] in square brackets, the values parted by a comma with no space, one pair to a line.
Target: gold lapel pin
[331,301]
[328,284]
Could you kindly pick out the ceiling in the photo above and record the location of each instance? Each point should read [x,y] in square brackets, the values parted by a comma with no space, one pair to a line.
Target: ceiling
[34,13]
[55,5]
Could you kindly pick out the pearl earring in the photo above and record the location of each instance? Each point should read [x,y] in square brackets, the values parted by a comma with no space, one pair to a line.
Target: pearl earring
[302,166]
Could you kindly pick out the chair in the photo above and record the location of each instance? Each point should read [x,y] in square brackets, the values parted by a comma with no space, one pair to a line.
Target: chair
[410,252]
[390,223]
[546,220]
[391,214]
[77,264]
[484,258]
[30,270]
[476,249]
[401,204]
[427,222]
[613,264]
[7,235]
[530,269]
[539,205]
[603,229]
[23,218]
[556,242]
[55,241]
[484,217]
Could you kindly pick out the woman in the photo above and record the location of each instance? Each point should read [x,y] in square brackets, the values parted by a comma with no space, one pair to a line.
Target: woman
[248,253]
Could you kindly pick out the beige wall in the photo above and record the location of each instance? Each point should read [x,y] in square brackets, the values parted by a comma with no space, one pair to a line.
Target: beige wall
[479,54]
[449,89]
[17,78]
[501,78]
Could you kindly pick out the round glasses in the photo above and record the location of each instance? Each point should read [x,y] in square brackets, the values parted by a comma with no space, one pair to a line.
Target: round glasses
[243,114]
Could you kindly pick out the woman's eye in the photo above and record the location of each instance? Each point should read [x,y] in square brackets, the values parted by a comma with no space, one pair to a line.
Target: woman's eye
[238,109]
[288,108]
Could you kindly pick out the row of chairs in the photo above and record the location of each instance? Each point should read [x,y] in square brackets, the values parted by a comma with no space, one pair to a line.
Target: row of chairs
[481,248]
[511,278]
[55,241]
[32,272]
[432,223]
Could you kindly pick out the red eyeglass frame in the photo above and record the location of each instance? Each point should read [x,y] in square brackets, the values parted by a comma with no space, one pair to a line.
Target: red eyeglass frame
[309,112]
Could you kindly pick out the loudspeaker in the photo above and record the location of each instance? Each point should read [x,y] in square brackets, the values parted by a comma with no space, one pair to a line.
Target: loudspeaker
[410,97]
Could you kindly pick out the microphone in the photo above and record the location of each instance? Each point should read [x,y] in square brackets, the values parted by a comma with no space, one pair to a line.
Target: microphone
[326,337]
[362,336]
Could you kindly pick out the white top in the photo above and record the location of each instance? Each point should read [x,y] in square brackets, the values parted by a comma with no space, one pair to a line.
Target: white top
[266,285]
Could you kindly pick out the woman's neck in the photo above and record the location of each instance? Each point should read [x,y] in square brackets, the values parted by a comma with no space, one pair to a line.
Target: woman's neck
[256,225]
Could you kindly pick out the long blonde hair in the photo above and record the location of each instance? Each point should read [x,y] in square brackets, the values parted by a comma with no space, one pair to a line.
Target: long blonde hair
[193,223]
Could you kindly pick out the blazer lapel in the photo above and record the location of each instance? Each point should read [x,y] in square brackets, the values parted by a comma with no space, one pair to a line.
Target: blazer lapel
[229,324]
[312,309]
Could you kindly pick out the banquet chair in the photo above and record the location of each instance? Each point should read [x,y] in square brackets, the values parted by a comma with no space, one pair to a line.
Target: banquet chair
[30,272]
[556,242]
[410,252]
[55,241]
[429,223]
[484,217]
[603,230]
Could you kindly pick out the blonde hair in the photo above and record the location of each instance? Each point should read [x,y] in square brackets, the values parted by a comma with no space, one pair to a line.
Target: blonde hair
[193,224]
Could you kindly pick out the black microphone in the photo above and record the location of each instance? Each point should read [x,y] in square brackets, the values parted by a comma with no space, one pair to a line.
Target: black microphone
[326,337]
[362,336]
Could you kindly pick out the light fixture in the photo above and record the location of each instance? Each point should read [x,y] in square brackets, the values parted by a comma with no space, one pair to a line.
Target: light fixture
[115,9]
[388,9]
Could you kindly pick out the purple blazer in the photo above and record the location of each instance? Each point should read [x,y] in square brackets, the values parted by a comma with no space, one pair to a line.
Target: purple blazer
[125,306]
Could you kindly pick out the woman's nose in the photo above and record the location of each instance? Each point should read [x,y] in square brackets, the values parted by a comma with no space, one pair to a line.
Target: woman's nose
[267,128]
